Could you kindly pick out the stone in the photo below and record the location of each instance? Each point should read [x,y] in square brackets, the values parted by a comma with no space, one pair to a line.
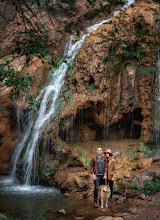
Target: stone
[142,196]
[2,216]
[121,184]
[144,163]
[157,173]
[73,182]
[63,211]
[147,175]
[134,211]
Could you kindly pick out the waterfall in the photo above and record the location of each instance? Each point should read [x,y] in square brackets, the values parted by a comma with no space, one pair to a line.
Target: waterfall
[48,99]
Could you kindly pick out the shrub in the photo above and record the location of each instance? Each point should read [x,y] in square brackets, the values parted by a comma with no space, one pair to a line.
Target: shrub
[152,147]
[83,157]
[132,186]
[48,170]
[150,188]
[91,87]
[85,161]
[81,150]
[141,147]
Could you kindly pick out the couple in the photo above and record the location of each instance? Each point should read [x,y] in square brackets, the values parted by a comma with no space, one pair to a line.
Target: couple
[102,168]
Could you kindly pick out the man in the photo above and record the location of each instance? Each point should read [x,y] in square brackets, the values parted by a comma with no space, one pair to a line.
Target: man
[110,170]
[98,171]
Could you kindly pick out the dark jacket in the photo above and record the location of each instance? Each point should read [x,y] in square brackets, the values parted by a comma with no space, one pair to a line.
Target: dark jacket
[94,165]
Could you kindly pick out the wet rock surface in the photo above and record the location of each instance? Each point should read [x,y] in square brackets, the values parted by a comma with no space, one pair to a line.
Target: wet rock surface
[122,104]
[7,132]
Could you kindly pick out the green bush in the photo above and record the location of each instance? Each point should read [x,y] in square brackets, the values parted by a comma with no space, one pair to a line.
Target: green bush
[141,147]
[82,156]
[152,147]
[150,188]
[81,150]
[59,147]
[91,87]
[132,186]
[48,170]
[85,161]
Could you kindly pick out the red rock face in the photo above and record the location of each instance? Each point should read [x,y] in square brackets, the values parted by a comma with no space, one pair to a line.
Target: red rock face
[7,132]
[124,102]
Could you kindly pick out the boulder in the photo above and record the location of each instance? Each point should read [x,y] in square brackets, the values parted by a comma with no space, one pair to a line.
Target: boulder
[121,184]
[144,163]
[77,182]
[3,216]
[157,173]
[148,175]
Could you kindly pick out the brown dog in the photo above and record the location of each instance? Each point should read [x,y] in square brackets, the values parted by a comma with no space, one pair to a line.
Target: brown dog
[103,195]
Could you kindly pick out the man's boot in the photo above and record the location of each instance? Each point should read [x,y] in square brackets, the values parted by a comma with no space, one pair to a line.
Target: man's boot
[95,204]
[110,199]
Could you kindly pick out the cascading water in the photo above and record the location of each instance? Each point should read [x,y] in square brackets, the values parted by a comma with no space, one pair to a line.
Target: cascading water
[48,98]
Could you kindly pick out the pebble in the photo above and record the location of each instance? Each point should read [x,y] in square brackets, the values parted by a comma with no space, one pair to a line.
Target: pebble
[63,211]
[142,196]
[134,211]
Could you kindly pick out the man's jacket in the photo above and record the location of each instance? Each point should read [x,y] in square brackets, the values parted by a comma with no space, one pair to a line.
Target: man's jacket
[110,168]
[94,165]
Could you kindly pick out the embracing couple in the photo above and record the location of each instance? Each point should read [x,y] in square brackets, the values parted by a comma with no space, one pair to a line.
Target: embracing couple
[102,168]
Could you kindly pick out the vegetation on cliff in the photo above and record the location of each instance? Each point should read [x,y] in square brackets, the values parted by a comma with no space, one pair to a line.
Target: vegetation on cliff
[34,37]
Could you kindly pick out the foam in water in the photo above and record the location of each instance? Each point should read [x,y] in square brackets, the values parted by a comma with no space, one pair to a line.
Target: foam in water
[48,97]
[8,185]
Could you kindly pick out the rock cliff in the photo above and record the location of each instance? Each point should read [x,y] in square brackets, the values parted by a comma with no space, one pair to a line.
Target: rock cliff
[117,103]
[110,94]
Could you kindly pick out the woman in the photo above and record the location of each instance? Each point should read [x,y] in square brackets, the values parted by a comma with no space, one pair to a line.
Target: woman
[110,168]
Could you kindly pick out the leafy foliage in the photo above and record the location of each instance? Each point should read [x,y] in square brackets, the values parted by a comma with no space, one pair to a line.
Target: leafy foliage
[91,87]
[27,42]
[133,186]
[83,156]
[19,81]
[128,46]
[141,147]
[81,150]
[85,161]
[103,6]
[150,188]
[48,170]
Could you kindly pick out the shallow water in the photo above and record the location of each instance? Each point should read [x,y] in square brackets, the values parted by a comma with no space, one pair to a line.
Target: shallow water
[30,203]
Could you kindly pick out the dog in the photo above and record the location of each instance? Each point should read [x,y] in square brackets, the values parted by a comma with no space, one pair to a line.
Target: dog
[103,195]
